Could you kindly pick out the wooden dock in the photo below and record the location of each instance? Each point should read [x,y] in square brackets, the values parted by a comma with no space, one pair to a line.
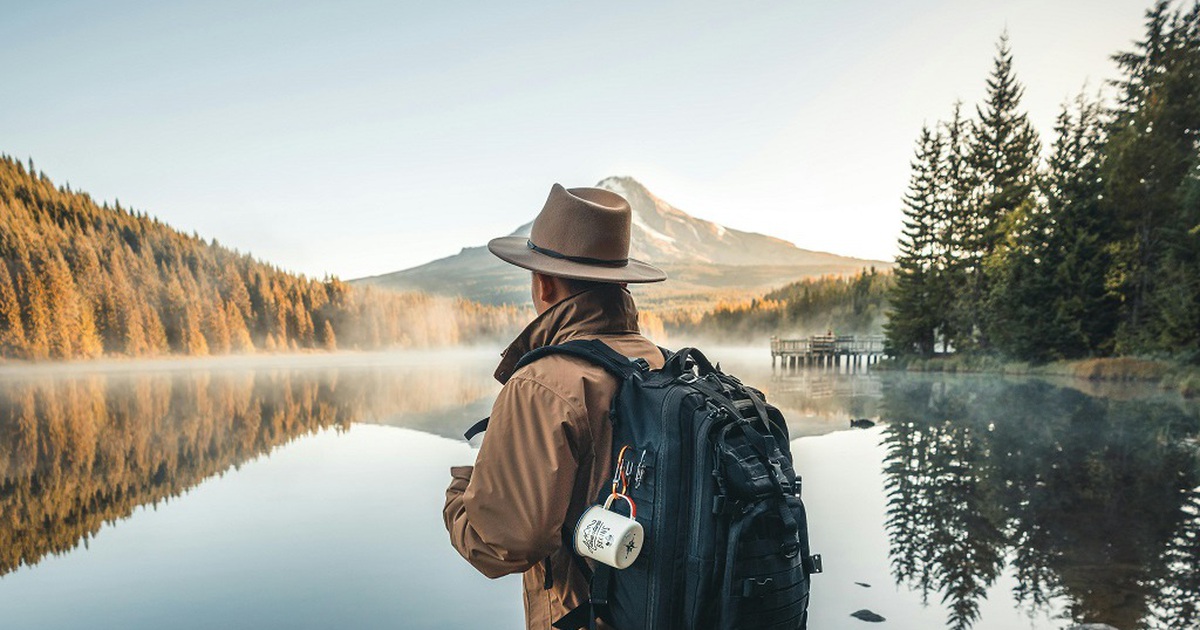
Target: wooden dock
[827,351]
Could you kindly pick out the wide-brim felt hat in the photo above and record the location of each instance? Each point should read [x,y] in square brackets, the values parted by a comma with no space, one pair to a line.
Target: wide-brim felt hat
[581,234]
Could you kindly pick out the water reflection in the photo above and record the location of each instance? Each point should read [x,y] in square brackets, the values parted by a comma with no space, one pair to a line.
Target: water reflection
[1088,503]
[80,451]
[827,393]
[1092,501]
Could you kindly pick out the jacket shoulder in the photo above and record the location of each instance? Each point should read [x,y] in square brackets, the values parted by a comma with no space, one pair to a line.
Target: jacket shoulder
[549,368]
[561,373]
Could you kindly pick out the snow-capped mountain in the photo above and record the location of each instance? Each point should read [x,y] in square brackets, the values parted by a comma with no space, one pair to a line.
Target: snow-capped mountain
[699,256]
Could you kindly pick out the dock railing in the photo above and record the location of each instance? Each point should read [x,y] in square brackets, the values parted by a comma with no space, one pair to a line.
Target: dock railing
[827,349]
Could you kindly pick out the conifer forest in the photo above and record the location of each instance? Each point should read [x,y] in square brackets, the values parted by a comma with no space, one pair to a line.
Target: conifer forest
[1089,247]
[81,280]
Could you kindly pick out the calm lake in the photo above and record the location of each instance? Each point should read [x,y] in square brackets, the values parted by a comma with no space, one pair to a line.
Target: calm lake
[306,492]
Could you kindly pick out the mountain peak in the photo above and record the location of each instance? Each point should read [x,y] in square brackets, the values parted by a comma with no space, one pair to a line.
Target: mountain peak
[619,183]
[700,256]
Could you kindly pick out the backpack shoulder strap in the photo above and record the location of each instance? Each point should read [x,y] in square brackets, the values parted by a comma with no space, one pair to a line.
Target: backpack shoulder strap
[593,350]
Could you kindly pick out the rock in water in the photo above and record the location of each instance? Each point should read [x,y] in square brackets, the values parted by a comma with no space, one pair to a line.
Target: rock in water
[867,615]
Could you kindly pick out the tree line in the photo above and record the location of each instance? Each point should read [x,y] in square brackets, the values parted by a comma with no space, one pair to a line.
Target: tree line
[845,304]
[80,279]
[1092,251]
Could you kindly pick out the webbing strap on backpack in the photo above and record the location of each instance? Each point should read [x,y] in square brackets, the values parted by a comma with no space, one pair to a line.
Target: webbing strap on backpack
[596,607]
[477,428]
[592,350]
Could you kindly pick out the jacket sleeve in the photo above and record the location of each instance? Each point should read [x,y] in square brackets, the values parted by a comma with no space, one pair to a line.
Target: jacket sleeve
[507,514]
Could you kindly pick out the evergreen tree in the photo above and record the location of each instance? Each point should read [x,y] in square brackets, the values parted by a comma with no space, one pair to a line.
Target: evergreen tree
[12,329]
[913,319]
[956,185]
[216,329]
[36,312]
[239,336]
[1084,309]
[1150,154]
[1047,293]
[328,338]
[1004,161]
[1021,288]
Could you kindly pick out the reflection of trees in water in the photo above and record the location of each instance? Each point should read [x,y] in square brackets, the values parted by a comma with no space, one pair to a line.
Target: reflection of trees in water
[1092,501]
[942,513]
[826,392]
[78,452]
[1175,593]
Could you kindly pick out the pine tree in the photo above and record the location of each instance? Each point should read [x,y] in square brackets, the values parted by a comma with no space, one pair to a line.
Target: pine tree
[37,314]
[1084,309]
[913,320]
[1021,286]
[328,338]
[1150,154]
[1048,293]
[12,329]
[216,328]
[956,184]
[1004,161]
[155,331]
[239,336]
[193,336]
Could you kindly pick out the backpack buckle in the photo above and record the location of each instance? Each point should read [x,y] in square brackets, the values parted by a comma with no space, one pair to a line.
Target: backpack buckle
[785,484]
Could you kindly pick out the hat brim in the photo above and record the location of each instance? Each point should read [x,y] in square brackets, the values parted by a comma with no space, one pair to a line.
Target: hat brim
[515,250]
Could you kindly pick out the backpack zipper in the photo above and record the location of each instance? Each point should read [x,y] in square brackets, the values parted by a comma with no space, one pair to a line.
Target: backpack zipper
[653,593]
[701,439]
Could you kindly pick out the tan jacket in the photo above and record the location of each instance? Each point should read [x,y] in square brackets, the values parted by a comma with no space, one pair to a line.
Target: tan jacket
[546,454]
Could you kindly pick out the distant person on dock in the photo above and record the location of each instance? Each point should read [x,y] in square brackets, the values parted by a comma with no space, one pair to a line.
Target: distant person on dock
[547,451]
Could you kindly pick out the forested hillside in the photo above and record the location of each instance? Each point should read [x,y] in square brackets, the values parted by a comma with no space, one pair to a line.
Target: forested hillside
[846,305]
[1093,251]
[81,279]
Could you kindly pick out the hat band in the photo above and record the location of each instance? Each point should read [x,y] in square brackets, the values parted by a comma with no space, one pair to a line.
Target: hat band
[578,259]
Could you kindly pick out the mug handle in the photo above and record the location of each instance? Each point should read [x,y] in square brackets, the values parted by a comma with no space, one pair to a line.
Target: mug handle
[632,505]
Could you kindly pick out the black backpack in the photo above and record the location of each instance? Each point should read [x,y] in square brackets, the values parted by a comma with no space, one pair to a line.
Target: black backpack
[708,464]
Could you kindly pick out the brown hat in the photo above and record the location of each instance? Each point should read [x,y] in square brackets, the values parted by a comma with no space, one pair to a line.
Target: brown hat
[581,234]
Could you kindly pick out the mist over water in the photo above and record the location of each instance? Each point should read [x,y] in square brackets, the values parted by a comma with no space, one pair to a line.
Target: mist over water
[287,491]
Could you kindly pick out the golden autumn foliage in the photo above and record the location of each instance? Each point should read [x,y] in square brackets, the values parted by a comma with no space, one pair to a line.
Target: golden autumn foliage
[80,279]
[85,450]
[844,304]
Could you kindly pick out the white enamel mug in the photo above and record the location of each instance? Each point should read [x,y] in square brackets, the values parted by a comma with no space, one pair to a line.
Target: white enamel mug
[608,537]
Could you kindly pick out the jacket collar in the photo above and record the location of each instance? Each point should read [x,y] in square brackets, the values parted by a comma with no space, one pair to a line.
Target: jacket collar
[607,309]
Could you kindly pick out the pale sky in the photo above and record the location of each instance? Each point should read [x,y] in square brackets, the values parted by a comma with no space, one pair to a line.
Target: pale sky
[358,138]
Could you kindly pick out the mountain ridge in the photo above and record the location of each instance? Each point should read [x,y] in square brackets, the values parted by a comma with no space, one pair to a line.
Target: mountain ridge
[701,257]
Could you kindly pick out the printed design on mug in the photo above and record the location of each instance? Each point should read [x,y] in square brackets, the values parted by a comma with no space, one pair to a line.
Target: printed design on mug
[596,535]
[630,544]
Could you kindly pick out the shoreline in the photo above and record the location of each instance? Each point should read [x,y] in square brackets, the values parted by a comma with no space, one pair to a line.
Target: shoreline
[302,358]
[1168,375]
